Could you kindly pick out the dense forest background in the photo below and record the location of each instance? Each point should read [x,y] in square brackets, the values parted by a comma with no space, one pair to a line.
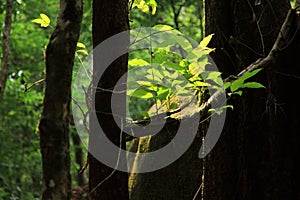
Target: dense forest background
[21,172]
[21,165]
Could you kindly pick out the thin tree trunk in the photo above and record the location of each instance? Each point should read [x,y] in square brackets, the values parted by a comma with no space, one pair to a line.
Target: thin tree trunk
[5,48]
[79,159]
[54,123]
[109,18]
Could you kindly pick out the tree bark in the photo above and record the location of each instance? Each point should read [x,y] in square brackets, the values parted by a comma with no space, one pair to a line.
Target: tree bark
[255,156]
[179,180]
[5,47]
[79,159]
[109,18]
[54,123]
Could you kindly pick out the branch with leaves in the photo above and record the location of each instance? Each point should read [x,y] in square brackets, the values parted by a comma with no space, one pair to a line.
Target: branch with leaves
[284,39]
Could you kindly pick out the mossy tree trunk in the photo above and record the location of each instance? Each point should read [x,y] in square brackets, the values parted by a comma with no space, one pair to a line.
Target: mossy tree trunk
[4,70]
[54,122]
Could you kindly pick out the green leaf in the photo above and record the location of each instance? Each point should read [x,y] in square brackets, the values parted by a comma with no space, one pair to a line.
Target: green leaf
[195,69]
[172,65]
[237,84]
[80,45]
[200,84]
[250,74]
[252,85]
[214,76]
[141,4]
[177,82]
[44,21]
[153,78]
[211,75]
[82,51]
[227,85]
[137,62]
[45,18]
[206,41]
[238,92]
[145,83]
[142,93]
[163,27]
[153,5]
[162,93]
[219,111]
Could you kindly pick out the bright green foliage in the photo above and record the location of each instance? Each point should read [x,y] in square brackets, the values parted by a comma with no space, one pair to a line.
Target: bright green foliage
[44,21]
[20,165]
[145,5]
[176,68]
[240,83]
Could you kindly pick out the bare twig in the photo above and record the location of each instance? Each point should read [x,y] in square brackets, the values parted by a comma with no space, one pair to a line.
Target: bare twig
[117,164]
[34,84]
[281,41]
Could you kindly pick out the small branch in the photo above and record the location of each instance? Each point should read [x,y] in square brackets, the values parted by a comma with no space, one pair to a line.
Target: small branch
[117,164]
[34,84]
[282,40]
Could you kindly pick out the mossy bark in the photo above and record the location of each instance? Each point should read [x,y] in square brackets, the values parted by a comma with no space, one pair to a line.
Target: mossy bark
[54,123]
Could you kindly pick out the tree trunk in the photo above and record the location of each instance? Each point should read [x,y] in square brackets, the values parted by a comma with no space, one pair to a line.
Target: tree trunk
[255,156]
[5,47]
[109,18]
[79,159]
[54,123]
[179,180]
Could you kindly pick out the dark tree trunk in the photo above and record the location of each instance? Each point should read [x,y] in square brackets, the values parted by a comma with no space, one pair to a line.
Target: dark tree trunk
[109,18]
[5,47]
[54,123]
[255,156]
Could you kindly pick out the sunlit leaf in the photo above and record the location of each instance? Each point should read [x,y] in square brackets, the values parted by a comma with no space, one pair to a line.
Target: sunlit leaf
[141,4]
[200,84]
[153,5]
[44,21]
[145,83]
[45,18]
[82,51]
[141,93]
[195,68]
[137,62]
[155,72]
[80,45]
[206,41]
